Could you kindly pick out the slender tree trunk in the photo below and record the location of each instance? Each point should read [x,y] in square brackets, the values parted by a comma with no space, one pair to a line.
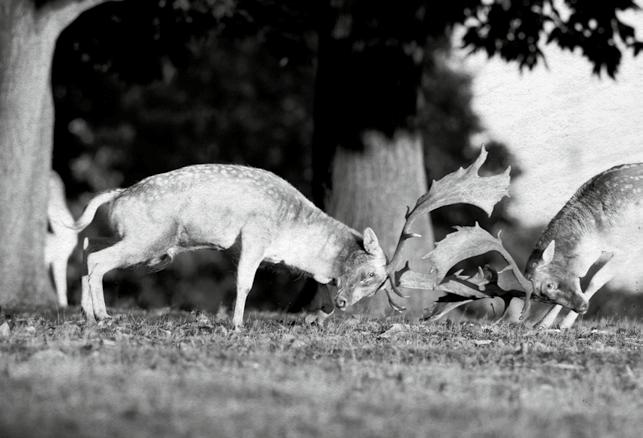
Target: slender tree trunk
[368,158]
[28,36]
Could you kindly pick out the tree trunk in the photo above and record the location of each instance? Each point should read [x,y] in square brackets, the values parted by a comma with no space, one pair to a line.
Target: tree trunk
[368,158]
[26,111]
[373,187]
[27,41]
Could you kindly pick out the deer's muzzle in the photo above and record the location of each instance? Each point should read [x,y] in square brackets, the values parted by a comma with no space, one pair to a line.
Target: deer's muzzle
[579,304]
[575,301]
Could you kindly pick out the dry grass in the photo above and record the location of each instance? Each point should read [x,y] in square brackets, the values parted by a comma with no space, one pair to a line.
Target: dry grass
[185,375]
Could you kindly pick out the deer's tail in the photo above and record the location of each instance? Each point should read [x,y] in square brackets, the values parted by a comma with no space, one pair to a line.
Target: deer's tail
[90,210]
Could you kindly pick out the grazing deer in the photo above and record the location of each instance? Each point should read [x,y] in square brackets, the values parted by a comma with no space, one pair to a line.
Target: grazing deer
[60,241]
[601,223]
[219,206]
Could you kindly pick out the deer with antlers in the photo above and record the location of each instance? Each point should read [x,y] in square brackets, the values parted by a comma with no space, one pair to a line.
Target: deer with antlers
[468,187]
[220,206]
[600,225]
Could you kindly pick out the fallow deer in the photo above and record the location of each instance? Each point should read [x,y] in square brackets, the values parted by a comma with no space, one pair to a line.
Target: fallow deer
[60,241]
[218,206]
[601,224]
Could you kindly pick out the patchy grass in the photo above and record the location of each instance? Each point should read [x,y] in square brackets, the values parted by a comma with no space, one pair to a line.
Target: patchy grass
[184,375]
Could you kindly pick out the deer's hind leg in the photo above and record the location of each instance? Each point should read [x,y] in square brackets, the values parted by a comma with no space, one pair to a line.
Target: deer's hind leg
[121,254]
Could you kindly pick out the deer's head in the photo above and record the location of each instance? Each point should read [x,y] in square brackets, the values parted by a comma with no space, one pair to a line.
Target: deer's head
[553,282]
[364,272]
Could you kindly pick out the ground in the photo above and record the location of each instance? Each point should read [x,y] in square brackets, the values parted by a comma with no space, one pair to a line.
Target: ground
[172,374]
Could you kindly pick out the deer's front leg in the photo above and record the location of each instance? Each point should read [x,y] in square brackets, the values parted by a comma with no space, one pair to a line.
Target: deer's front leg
[549,317]
[602,276]
[252,251]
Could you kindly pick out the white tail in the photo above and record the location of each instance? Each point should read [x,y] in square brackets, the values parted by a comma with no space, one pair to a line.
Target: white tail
[61,240]
[90,209]
[218,206]
[601,224]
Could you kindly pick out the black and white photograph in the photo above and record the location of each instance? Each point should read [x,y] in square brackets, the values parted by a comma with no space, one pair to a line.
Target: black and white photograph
[324,218]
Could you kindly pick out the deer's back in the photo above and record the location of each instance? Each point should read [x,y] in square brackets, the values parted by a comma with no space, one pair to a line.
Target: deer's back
[604,215]
[202,201]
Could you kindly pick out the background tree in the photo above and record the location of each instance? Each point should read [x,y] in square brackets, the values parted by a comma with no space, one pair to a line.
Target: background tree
[28,33]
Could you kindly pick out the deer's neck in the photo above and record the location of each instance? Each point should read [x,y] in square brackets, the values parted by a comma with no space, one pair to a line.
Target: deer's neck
[320,247]
[570,228]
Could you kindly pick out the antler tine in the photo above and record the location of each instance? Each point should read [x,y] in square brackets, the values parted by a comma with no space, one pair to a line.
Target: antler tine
[395,288]
[466,186]
[405,234]
[524,282]
[410,216]
[394,306]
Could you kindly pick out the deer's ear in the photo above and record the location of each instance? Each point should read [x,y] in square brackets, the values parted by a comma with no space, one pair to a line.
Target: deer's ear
[371,244]
[548,253]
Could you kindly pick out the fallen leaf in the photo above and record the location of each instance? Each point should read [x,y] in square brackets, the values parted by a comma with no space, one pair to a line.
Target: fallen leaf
[161,311]
[600,332]
[203,320]
[395,330]
[565,366]
[482,342]
[297,343]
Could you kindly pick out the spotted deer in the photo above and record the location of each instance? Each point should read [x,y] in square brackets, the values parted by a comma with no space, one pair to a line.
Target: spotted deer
[220,206]
[600,225]
[60,241]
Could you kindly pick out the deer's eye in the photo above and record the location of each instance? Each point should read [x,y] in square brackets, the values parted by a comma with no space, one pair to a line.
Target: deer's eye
[367,277]
[551,286]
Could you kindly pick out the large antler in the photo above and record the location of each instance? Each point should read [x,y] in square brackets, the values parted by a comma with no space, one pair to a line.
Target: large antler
[463,186]
[460,290]
[465,243]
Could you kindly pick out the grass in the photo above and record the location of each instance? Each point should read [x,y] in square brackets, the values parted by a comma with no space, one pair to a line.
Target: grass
[187,375]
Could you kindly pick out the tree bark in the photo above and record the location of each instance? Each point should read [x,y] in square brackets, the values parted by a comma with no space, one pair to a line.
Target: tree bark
[368,157]
[28,36]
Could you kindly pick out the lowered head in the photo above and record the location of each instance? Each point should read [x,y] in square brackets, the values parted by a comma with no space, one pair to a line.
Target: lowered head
[552,282]
[363,273]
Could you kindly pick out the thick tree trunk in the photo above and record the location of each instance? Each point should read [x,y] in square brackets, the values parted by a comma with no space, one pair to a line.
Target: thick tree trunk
[368,159]
[28,36]
[26,111]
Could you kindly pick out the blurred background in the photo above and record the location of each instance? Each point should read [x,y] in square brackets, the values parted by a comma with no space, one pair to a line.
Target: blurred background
[140,89]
